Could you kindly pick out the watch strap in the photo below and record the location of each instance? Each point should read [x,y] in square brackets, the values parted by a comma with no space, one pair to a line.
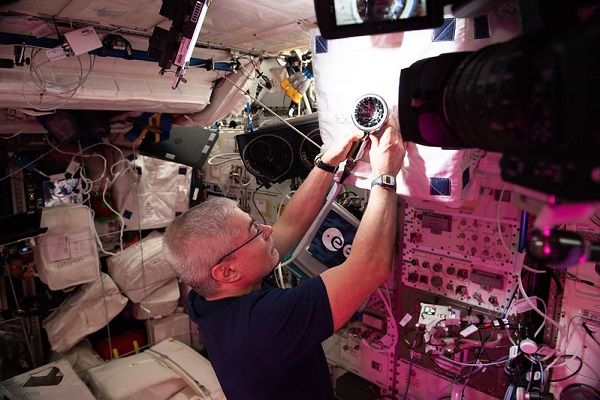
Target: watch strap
[326,167]
[385,181]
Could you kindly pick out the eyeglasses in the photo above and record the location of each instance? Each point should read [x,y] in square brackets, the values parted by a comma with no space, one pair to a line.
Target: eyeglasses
[260,229]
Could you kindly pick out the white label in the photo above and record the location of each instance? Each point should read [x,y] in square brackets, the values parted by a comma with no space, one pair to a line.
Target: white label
[56,53]
[468,330]
[58,247]
[406,319]
[79,245]
[42,31]
[513,352]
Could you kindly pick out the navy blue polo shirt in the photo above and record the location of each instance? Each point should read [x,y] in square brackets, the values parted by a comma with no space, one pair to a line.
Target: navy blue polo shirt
[266,345]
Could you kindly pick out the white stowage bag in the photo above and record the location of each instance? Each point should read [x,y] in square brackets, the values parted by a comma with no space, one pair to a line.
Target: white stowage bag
[67,254]
[136,377]
[54,381]
[91,307]
[160,303]
[152,192]
[141,268]
[168,370]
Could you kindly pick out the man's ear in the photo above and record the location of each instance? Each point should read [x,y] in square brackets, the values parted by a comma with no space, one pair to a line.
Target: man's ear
[225,272]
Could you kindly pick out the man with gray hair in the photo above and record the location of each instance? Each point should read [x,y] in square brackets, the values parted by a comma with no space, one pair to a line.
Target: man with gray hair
[265,342]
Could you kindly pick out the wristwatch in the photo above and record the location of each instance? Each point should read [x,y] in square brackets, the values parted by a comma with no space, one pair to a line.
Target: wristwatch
[385,181]
[324,166]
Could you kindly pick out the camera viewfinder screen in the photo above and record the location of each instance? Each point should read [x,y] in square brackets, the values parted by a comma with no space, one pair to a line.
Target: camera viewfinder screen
[353,12]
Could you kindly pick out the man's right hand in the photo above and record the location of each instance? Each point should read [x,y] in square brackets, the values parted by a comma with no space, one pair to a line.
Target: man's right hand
[387,151]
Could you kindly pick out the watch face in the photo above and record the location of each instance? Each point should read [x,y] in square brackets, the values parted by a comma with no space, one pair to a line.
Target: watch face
[385,181]
[388,180]
[370,112]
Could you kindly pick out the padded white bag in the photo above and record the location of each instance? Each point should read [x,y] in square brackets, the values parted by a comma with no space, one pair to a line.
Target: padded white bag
[91,307]
[160,303]
[54,381]
[141,268]
[136,377]
[67,254]
[168,370]
[196,370]
[152,192]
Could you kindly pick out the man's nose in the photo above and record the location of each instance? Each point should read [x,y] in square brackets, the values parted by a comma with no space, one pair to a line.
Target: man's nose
[267,230]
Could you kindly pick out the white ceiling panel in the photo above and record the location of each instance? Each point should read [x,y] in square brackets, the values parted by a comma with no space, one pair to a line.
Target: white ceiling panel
[267,25]
[260,28]
[135,14]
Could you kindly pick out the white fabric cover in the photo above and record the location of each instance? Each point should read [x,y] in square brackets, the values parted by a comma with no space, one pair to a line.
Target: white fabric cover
[67,254]
[70,387]
[112,84]
[160,303]
[353,67]
[189,364]
[81,356]
[140,269]
[162,372]
[136,377]
[88,309]
[228,97]
[152,192]
[177,325]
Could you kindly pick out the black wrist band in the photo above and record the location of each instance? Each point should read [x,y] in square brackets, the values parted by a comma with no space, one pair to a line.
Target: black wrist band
[326,167]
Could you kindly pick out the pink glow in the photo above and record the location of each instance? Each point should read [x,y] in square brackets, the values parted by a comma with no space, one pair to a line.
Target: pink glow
[547,250]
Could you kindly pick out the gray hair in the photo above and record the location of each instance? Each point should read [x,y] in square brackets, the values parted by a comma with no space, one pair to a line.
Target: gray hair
[194,242]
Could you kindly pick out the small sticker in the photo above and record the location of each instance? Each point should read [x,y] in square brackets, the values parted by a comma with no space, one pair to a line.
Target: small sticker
[321,45]
[58,247]
[405,320]
[439,186]
[513,352]
[469,330]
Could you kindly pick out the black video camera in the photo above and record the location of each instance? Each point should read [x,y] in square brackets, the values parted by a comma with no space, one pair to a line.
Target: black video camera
[534,98]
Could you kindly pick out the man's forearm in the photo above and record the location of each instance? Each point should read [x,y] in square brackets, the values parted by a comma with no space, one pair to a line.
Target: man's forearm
[302,209]
[379,221]
[370,261]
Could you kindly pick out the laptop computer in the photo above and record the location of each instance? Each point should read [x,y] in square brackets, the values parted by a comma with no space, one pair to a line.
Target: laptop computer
[185,145]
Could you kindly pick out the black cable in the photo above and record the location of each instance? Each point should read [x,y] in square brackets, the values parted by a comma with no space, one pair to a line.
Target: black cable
[348,193]
[255,206]
[554,275]
[479,353]
[575,278]
[572,374]
[589,332]
[58,34]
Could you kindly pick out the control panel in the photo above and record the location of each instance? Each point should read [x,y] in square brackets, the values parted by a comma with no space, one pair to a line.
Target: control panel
[366,345]
[465,254]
